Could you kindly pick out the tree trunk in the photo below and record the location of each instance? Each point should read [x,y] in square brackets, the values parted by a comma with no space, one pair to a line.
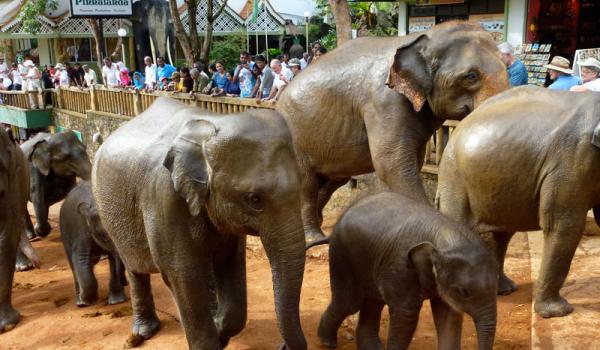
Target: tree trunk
[208,31]
[194,40]
[95,28]
[8,50]
[180,33]
[343,23]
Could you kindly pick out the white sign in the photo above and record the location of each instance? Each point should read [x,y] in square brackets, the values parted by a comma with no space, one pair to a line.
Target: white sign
[581,55]
[101,8]
[420,24]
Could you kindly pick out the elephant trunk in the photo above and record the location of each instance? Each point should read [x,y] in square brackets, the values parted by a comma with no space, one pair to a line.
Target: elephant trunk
[85,170]
[284,245]
[485,324]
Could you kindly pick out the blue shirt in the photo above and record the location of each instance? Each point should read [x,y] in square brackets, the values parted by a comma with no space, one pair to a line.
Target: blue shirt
[220,80]
[564,82]
[517,73]
[165,71]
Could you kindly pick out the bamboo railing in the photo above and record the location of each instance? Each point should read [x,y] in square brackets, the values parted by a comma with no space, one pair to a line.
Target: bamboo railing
[19,99]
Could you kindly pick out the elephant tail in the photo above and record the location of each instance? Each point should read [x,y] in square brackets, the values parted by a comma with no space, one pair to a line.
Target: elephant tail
[596,210]
[320,241]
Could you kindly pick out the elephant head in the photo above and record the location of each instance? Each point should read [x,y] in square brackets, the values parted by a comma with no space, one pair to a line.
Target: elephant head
[62,153]
[465,278]
[454,67]
[241,171]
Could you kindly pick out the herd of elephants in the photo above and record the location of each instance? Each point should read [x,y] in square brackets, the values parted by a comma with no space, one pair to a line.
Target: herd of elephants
[175,190]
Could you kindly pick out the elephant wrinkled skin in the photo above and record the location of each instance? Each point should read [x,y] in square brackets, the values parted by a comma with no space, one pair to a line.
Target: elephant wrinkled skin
[388,249]
[345,121]
[177,188]
[525,161]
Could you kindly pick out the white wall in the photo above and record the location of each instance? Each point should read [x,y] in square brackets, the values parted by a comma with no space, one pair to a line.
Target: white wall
[517,21]
[402,18]
[44,51]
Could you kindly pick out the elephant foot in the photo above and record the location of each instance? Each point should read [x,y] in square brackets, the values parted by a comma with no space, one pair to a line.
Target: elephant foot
[85,302]
[313,235]
[23,263]
[327,338]
[143,329]
[117,298]
[556,307]
[8,319]
[30,235]
[42,230]
[506,286]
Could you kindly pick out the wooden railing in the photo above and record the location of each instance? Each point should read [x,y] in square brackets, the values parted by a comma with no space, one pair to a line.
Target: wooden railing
[72,99]
[19,99]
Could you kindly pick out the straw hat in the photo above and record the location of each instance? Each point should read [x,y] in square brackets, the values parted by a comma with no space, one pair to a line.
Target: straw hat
[28,63]
[294,62]
[560,64]
[59,66]
[591,63]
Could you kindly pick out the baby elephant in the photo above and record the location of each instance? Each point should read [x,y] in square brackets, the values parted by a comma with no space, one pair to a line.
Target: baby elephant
[388,249]
[85,240]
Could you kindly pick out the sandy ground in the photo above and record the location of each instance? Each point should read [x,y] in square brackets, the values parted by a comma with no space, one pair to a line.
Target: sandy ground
[50,319]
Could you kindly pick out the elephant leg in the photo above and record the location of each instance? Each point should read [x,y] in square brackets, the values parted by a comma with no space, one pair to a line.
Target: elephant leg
[116,289]
[367,332]
[309,210]
[561,237]
[448,325]
[42,227]
[230,276]
[505,285]
[9,241]
[88,285]
[403,322]
[29,226]
[145,321]
[325,193]
[22,262]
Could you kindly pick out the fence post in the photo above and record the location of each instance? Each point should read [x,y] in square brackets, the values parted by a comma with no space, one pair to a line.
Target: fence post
[137,102]
[93,99]
[58,98]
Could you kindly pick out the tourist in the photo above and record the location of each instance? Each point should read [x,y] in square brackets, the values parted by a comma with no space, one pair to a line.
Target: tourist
[5,83]
[150,73]
[3,68]
[320,51]
[124,79]
[77,75]
[163,84]
[282,77]
[284,60]
[15,76]
[295,66]
[47,78]
[187,81]
[89,77]
[517,73]
[265,80]
[139,81]
[110,74]
[304,61]
[244,59]
[176,84]
[246,81]
[560,72]
[232,87]
[590,75]
[200,78]
[316,45]
[63,76]
[164,70]
[23,71]
[219,77]
[33,83]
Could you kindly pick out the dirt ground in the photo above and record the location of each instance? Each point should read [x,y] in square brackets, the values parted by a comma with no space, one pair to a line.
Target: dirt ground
[50,319]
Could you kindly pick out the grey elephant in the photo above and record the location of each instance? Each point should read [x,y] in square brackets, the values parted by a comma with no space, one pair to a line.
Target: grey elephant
[178,189]
[525,161]
[345,121]
[389,249]
[85,240]
[14,191]
[55,162]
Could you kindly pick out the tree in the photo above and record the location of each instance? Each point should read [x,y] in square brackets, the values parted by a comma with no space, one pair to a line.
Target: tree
[30,11]
[343,22]
[192,48]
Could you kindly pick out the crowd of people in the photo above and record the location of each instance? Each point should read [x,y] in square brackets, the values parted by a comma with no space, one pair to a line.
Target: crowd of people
[559,71]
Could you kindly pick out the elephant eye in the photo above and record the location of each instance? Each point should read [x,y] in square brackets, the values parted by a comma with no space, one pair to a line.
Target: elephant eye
[254,201]
[471,77]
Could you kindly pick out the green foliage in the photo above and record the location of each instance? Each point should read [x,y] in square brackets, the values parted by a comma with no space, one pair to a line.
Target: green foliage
[33,8]
[374,18]
[329,41]
[273,52]
[226,49]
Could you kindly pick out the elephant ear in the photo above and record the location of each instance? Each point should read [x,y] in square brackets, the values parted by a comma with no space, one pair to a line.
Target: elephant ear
[421,257]
[409,73]
[187,162]
[40,157]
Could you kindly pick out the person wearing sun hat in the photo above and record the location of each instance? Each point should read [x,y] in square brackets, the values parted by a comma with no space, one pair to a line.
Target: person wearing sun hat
[561,73]
[590,75]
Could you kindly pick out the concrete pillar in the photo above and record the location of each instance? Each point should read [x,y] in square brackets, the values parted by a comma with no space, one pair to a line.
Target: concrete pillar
[44,51]
[402,18]
[517,22]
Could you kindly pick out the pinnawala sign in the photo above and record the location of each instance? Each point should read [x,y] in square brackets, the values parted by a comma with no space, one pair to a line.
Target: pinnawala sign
[101,8]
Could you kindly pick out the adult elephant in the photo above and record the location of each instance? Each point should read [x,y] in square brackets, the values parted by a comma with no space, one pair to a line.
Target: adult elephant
[177,188]
[527,159]
[153,30]
[14,188]
[345,121]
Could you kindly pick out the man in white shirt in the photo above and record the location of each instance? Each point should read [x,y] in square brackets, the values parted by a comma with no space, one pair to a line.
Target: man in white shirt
[282,77]
[150,73]
[5,83]
[63,75]
[3,68]
[110,74]
[590,75]
[16,78]
[89,77]
[304,61]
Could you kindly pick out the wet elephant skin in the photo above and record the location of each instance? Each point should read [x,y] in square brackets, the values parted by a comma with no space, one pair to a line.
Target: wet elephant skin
[345,121]
[525,161]
[388,249]
[177,189]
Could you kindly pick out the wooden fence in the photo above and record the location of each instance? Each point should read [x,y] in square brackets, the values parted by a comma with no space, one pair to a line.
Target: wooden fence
[129,103]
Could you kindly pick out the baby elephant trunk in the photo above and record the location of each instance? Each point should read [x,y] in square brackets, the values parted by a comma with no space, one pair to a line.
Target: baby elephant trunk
[27,249]
[485,324]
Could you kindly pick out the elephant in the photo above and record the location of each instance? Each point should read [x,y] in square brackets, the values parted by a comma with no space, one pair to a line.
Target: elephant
[152,22]
[525,161]
[55,161]
[345,122]
[177,190]
[14,191]
[390,249]
[85,240]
